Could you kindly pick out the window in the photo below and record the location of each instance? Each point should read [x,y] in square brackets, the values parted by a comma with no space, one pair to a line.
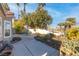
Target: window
[7,28]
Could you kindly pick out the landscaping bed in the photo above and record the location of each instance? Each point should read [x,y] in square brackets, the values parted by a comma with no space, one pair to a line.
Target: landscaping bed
[65,46]
[5,48]
[47,39]
[15,39]
[70,47]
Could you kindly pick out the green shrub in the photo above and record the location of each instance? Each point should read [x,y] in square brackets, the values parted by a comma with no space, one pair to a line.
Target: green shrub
[19,26]
[45,37]
[71,45]
[72,33]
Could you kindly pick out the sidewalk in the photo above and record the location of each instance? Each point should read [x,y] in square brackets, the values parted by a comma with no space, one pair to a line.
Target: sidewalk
[28,46]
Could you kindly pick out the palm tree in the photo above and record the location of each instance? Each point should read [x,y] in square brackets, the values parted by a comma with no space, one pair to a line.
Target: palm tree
[70,22]
[62,24]
[67,24]
[18,5]
[24,7]
[41,5]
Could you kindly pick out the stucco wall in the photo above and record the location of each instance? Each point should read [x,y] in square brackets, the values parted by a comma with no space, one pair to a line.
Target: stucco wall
[1,38]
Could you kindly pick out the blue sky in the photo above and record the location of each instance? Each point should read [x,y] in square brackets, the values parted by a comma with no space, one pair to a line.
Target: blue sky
[58,11]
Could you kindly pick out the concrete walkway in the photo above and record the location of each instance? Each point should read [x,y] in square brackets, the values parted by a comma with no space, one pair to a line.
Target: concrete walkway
[28,46]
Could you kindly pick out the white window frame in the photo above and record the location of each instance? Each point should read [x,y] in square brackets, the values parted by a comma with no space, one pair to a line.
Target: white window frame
[4,29]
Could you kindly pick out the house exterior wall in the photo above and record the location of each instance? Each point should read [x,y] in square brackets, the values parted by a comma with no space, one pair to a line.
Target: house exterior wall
[2,35]
[5,15]
[0,28]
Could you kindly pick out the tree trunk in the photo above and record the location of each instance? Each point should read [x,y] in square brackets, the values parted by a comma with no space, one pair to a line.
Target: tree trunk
[24,7]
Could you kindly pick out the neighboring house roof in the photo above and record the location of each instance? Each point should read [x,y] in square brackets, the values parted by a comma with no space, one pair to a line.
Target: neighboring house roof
[5,13]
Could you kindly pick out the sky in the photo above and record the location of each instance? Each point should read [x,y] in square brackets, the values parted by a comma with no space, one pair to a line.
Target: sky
[58,11]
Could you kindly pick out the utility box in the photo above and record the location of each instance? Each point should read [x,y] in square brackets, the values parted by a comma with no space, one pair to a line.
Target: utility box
[5,24]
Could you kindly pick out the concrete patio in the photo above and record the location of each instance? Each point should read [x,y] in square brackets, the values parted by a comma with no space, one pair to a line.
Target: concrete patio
[28,46]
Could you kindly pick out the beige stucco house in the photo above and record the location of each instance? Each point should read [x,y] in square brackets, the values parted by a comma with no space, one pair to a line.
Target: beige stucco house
[5,24]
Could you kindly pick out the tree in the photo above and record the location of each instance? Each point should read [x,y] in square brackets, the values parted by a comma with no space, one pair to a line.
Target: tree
[37,19]
[40,19]
[63,24]
[41,5]
[43,19]
[70,22]
[24,7]
[18,5]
